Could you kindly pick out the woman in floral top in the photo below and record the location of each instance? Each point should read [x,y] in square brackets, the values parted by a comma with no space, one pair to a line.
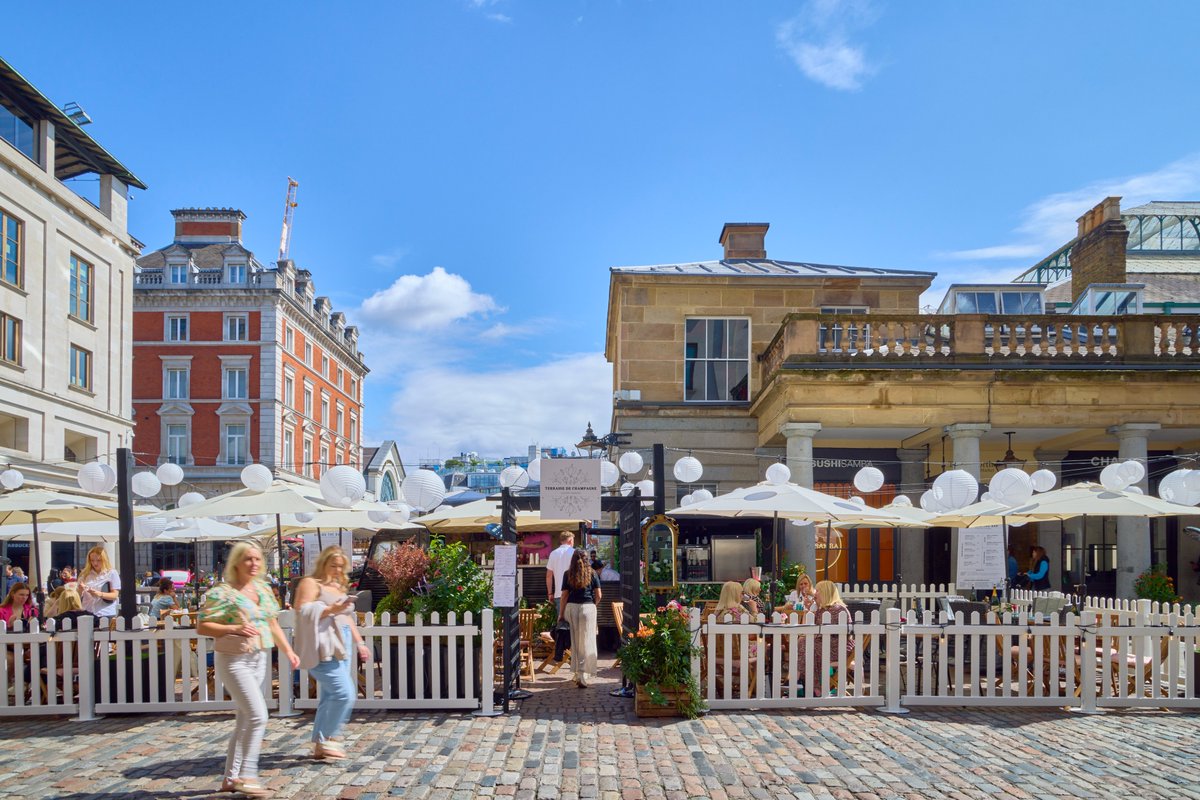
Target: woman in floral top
[241,615]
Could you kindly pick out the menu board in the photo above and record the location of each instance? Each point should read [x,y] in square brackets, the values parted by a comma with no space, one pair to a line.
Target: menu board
[504,576]
[314,543]
[981,560]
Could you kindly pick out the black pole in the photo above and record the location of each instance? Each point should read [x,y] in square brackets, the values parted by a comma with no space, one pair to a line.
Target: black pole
[279,549]
[660,480]
[511,645]
[828,532]
[36,570]
[125,560]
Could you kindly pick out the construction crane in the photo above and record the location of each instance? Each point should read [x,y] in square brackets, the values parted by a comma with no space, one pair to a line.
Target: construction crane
[289,211]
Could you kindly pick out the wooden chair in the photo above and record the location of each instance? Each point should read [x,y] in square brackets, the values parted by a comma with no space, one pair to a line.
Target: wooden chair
[735,654]
[527,619]
[1139,672]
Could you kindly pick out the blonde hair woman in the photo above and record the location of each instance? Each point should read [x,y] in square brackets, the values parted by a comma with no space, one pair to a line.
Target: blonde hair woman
[752,595]
[99,584]
[325,628]
[730,601]
[802,599]
[241,615]
[829,602]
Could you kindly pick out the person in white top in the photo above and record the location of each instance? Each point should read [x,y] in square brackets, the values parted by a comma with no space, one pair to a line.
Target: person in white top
[558,564]
[99,584]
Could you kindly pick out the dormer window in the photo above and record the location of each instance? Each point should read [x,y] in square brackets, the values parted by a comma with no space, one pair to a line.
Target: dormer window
[237,273]
[177,273]
[997,299]
[1109,300]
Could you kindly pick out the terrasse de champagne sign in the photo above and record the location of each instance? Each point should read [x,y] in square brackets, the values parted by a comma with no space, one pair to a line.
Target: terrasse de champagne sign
[571,488]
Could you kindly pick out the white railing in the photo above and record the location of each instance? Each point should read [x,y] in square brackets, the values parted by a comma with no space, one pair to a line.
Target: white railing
[92,671]
[1094,660]
[924,597]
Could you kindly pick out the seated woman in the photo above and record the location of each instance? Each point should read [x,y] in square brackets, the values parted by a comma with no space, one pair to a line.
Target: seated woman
[730,602]
[829,602]
[802,599]
[164,600]
[18,605]
[752,596]
[730,609]
[70,609]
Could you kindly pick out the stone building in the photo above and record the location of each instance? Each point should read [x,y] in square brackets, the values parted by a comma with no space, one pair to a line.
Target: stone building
[748,360]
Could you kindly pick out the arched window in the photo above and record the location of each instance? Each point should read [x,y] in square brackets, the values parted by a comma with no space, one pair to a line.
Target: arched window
[387,489]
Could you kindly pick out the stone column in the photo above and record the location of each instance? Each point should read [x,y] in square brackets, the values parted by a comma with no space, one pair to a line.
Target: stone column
[1050,534]
[964,437]
[1133,534]
[910,546]
[799,544]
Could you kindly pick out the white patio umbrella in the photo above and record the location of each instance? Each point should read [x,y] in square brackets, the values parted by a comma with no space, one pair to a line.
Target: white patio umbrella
[39,506]
[917,518]
[473,517]
[196,530]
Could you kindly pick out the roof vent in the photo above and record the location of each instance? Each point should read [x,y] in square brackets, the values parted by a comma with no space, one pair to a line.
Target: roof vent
[744,240]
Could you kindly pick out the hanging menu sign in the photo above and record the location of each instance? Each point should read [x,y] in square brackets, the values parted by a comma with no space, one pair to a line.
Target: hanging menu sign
[981,558]
[571,488]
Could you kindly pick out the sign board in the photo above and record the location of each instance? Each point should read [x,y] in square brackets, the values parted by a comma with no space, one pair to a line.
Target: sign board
[570,488]
[504,576]
[314,543]
[981,560]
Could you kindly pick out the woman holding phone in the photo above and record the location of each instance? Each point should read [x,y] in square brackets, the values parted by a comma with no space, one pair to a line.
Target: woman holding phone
[325,634]
[99,584]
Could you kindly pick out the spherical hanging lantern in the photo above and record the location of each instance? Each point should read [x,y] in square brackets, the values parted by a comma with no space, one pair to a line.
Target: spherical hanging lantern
[151,525]
[702,494]
[927,501]
[1134,489]
[858,501]
[902,501]
[190,499]
[1112,478]
[1133,471]
[868,479]
[959,489]
[630,462]
[647,489]
[378,515]
[1192,481]
[342,486]
[424,489]
[609,474]
[110,478]
[627,489]
[983,498]
[11,479]
[1174,488]
[304,517]
[778,474]
[514,477]
[1011,487]
[688,469]
[258,477]
[91,478]
[1043,480]
[686,500]
[145,484]
[258,520]
[169,474]
[400,513]
[535,469]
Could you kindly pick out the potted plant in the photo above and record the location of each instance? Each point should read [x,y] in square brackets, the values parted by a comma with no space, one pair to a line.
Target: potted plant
[402,568]
[658,659]
[1155,584]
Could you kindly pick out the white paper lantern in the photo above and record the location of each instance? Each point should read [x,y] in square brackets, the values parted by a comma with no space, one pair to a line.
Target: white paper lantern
[400,513]
[91,478]
[1174,488]
[378,515]
[858,501]
[1192,481]
[985,497]
[686,500]
[145,484]
[110,478]
[1134,489]
[1133,471]
[688,469]
[169,474]
[304,517]
[1011,487]
[514,477]
[534,469]
[927,501]
[868,479]
[258,520]
[959,489]
[630,462]
[627,489]
[609,474]
[902,501]
[151,525]
[343,486]
[11,479]
[424,490]
[647,489]
[778,474]
[1112,478]
[190,499]
[1043,480]
[258,477]
[702,494]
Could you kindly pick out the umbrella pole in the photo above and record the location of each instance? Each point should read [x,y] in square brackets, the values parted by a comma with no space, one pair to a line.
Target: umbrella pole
[196,572]
[828,532]
[37,563]
[1004,556]
[898,554]
[279,549]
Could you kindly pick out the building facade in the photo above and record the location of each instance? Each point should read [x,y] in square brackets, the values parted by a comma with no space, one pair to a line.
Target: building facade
[236,362]
[749,360]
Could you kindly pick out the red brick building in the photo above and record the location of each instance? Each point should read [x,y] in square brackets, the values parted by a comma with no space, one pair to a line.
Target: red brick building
[236,362]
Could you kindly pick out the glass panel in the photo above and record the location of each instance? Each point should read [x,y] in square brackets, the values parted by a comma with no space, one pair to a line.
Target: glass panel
[739,338]
[739,380]
[694,338]
[715,381]
[964,303]
[690,390]
[986,302]
[16,131]
[1021,302]
[716,339]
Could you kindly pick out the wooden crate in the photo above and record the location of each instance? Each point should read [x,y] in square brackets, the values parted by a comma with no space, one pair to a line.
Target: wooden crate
[643,706]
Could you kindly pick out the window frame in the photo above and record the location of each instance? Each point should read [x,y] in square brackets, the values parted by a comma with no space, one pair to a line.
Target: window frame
[698,361]
[227,441]
[5,218]
[229,273]
[168,438]
[242,317]
[307,408]
[227,372]
[187,382]
[80,356]
[184,272]
[288,456]
[6,343]
[19,114]
[168,319]
[73,302]
[308,354]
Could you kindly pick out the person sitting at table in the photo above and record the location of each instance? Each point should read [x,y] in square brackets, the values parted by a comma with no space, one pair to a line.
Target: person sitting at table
[18,606]
[802,599]
[829,602]
[165,599]
[70,609]
[752,596]
[730,601]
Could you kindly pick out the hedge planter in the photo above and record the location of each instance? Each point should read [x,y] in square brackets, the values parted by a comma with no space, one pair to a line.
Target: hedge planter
[643,706]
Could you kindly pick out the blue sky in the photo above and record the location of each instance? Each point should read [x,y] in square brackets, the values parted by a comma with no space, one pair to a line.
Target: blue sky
[469,169]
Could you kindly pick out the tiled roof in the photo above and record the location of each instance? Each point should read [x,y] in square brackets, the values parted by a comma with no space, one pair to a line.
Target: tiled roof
[1163,263]
[1164,208]
[759,268]
[1159,288]
[204,256]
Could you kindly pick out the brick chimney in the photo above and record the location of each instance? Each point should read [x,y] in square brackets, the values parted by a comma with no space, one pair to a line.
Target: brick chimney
[208,225]
[1098,255]
[744,240]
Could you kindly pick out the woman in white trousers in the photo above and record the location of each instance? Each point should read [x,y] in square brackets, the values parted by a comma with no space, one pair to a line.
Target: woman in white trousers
[577,605]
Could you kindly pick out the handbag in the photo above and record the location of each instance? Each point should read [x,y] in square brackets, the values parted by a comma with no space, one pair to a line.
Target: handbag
[233,645]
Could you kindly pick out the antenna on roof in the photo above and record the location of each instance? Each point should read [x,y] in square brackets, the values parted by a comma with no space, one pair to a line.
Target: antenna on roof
[289,211]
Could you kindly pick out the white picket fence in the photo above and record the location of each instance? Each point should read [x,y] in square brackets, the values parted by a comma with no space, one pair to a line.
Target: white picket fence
[924,597]
[88,671]
[1091,661]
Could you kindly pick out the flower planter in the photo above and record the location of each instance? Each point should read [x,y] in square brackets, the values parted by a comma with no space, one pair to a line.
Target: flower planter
[643,706]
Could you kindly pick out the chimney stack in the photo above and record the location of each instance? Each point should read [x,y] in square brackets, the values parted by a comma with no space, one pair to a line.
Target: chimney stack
[208,225]
[744,240]
[1098,255]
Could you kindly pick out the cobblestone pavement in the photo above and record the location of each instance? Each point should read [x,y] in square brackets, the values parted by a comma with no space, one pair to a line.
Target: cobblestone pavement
[581,743]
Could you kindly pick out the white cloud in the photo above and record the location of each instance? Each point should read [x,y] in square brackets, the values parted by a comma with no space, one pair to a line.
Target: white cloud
[441,411]
[818,41]
[390,259]
[426,302]
[505,18]
[1050,222]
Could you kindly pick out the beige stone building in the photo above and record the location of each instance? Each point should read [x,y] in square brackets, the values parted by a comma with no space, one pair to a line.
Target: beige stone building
[748,360]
